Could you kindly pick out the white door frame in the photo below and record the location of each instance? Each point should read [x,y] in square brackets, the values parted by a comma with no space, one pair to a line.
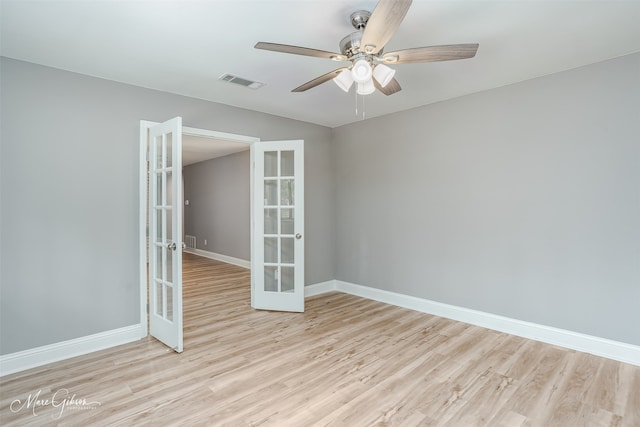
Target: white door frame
[142,188]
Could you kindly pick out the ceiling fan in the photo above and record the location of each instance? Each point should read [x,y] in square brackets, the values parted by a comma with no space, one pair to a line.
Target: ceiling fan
[364,49]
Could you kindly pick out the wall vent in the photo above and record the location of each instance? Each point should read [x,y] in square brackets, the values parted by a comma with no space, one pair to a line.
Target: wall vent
[190,241]
[230,78]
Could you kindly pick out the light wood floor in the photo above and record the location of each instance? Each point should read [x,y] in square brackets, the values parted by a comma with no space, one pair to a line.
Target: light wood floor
[346,361]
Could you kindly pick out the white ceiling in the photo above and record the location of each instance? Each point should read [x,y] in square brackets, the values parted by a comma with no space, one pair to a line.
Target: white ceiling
[183,47]
[199,148]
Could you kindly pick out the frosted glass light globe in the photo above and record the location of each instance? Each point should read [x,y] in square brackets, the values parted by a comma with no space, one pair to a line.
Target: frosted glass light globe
[361,71]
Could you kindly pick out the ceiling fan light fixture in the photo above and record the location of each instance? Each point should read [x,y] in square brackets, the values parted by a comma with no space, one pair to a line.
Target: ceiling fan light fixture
[344,80]
[366,88]
[361,71]
[383,74]
[364,50]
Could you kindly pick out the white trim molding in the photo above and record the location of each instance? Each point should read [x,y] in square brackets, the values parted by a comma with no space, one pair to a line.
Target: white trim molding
[319,288]
[623,352]
[32,358]
[219,257]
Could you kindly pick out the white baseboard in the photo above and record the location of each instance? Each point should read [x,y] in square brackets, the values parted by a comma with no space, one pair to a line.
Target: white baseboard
[623,352]
[219,257]
[319,288]
[27,359]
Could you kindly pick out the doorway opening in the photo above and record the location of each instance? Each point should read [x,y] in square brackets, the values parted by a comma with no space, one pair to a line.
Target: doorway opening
[161,189]
[216,199]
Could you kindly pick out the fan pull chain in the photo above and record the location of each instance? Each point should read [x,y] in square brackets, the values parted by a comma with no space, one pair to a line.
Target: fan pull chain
[364,114]
[356,93]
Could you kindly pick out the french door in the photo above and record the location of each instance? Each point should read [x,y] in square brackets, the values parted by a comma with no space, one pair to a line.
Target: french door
[165,232]
[278,239]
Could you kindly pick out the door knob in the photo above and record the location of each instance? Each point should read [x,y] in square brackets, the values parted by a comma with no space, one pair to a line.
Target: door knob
[172,246]
[298,236]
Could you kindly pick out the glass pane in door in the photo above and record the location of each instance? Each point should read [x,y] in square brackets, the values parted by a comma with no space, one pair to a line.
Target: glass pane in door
[158,272]
[286,192]
[271,250]
[271,192]
[287,279]
[169,277]
[159,189]
[286,250]
[169,290]
[158,233]
[159,299]
[270,163]
[271,278]
[270,221]
[168,232]
[157,149]
[286,163]
[287,221]
[169,194]
[169,151]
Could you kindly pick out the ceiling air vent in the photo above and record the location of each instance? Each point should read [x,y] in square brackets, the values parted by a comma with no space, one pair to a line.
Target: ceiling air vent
[240,81]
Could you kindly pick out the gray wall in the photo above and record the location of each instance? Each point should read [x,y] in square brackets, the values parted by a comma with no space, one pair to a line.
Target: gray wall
[219,205]
[69,197]
[522,201]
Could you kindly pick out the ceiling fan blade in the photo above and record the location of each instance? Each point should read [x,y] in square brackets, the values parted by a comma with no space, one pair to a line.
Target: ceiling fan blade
[384,21]
[392,87]
[319,80]
[297,50]
[431,54]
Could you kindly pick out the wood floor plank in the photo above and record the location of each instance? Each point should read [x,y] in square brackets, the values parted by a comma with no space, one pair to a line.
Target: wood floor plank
[345,361]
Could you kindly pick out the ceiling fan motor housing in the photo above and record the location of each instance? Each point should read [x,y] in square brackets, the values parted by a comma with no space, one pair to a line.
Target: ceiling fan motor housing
[350,45]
